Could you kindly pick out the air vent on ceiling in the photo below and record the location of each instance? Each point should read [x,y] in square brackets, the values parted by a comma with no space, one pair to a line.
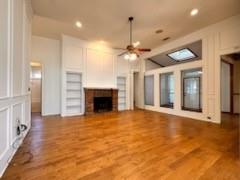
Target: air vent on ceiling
[167,38]
[158,31]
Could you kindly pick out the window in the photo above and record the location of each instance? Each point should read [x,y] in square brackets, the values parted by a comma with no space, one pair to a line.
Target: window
[192,92]
[167,90]
[182,55]
[149,90]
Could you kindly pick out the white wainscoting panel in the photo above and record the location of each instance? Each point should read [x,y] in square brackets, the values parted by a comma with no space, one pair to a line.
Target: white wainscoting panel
[4,133]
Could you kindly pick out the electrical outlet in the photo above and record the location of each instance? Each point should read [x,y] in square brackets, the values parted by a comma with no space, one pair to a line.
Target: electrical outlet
[18,127]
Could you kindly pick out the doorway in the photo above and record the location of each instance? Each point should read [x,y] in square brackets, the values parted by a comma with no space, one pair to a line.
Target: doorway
[230,86]
[36,87]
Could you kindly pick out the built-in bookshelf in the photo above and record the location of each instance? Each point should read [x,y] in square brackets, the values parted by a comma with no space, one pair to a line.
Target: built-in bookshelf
[73,93]
[121,85]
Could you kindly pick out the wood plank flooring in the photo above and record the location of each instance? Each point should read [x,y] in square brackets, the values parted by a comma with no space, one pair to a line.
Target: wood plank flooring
[128,145]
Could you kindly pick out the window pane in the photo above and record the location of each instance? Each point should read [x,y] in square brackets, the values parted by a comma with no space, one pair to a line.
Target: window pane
[181,55]
[149,90]
[192,93]
[166,90]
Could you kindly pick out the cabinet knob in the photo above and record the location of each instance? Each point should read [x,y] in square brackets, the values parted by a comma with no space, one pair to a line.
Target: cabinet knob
[236,47]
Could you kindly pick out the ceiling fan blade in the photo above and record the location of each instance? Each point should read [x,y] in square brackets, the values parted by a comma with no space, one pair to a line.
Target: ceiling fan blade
[144,49]
[123,53]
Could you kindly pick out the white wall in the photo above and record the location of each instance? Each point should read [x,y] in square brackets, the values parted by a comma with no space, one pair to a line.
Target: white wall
[15,40]
[218,39]
[98,63]
[47,52]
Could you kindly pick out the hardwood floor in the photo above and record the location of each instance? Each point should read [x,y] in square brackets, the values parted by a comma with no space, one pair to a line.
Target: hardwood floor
[128,145]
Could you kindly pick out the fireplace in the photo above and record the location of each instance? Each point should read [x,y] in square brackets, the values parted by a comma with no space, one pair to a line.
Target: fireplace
[102,104]
[100,100]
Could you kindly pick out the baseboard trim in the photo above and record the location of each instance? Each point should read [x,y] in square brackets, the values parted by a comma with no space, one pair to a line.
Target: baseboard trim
[7,158]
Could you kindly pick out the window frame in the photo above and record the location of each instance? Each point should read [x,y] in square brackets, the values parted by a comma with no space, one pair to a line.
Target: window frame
[160,90]
[200,90]
[153,101]
[185,59]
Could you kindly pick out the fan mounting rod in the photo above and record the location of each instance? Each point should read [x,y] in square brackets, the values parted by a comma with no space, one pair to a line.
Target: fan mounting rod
[131,20]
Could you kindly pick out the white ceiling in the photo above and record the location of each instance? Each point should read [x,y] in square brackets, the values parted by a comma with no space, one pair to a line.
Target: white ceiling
[107,19]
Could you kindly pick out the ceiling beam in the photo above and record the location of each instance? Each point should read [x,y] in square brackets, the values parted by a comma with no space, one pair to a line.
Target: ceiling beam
[155,62]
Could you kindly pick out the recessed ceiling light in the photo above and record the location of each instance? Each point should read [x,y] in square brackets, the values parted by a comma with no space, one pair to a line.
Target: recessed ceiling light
[194,12]
[78,24]
[158,31]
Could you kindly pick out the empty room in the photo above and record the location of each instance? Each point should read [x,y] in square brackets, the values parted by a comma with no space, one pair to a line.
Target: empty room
[119,89]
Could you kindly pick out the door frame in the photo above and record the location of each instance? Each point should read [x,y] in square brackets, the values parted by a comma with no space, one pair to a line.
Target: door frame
[231,86]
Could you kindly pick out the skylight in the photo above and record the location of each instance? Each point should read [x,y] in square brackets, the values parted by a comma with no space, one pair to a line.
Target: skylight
[182,55]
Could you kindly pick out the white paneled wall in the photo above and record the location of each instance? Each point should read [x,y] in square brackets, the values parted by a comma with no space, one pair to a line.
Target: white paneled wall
[96,64]
[47,52]
[218,39]
[4,48]
[15,33]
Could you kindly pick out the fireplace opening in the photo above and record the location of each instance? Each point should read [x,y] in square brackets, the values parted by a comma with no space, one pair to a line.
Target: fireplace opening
[102,104]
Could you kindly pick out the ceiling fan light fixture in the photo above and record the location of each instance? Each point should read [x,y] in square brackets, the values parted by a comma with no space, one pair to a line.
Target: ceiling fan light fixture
[132,52]
[133,57]
[126,56]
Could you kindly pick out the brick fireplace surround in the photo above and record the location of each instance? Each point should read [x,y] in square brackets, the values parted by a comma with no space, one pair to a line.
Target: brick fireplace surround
[90,93]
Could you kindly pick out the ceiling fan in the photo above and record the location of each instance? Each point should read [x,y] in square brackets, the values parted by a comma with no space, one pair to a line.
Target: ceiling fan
[132,52]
